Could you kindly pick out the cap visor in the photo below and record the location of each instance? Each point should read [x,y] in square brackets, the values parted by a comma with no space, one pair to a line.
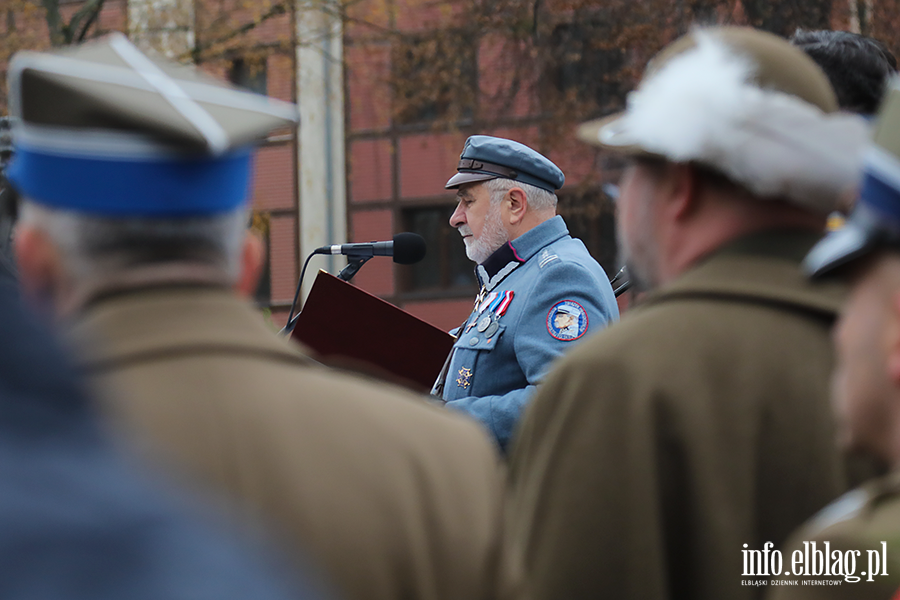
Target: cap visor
[839,248]
[468,177]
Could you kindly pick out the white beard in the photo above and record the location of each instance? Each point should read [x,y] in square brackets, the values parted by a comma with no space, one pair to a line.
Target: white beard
[493,235]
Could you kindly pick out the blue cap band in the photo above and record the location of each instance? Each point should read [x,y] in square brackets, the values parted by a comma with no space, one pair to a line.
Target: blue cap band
[131,187]
[882,198]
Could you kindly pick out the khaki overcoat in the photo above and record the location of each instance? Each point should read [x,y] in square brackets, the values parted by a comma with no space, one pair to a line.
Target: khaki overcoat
[393,497]
[700,423]
[861,560]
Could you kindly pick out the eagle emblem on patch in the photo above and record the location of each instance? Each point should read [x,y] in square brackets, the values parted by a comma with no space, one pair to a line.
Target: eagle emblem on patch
[567,321]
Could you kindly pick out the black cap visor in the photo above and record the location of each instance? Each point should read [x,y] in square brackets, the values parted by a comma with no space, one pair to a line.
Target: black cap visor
[855,239]
[469,177]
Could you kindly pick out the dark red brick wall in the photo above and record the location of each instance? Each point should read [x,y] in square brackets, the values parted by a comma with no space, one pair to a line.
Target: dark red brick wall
[274,178]
[445,314]
[368,93]
[370,168]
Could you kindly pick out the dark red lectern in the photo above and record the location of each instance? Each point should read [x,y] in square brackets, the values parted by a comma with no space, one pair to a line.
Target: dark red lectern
[347,326]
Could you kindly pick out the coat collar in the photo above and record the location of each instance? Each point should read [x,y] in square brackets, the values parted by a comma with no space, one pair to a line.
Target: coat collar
[860,502]
[762,267]
[511,254]
[167,320]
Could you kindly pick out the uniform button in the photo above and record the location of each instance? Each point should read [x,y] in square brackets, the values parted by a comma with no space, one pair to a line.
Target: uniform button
[473,341]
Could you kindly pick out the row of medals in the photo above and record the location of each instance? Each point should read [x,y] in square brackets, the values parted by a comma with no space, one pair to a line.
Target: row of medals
[488,324]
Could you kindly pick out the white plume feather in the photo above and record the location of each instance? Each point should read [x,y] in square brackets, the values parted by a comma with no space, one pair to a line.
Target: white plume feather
[703,106]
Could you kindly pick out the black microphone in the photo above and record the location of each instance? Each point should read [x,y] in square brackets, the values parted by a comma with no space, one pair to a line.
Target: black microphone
[406,248]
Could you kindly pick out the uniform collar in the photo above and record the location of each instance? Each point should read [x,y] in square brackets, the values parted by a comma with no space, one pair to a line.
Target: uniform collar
[147,277]
[860,502]
[762,267]
[148,322]
[551,230]
[511,254]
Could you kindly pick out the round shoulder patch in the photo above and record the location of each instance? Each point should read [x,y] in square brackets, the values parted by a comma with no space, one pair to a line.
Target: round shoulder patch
[567,321]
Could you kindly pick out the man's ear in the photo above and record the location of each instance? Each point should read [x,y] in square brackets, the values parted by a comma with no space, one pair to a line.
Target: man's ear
[892,329]
[518,205]
[683,187]
[41,273]
[253,258]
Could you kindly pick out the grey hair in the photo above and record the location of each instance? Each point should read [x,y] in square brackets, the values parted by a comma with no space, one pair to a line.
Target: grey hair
[538,198]
[92,246]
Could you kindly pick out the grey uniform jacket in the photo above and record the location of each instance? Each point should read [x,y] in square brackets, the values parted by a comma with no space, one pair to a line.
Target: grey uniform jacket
[700,423]
[542,294]
[394,498]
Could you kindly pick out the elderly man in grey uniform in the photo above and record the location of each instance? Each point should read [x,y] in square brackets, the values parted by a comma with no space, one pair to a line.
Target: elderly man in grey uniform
[533,276]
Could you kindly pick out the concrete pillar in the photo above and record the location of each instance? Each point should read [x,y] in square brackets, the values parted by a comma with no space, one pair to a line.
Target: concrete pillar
[322,168]
[864,26]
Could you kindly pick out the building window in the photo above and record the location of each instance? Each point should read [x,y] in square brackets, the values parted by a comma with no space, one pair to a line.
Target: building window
[590,217]
[249,73]
[445,268]
[435,77]
[583,65]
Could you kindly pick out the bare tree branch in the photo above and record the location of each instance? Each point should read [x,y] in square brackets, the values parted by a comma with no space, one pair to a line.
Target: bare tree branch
[54,22]
[91,19]
[196,53]
[90,11]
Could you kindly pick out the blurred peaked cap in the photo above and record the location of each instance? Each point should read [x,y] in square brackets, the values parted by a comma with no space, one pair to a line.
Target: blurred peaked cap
[485,157]
[91,122]
[779,66]
[111,85]
[875,221]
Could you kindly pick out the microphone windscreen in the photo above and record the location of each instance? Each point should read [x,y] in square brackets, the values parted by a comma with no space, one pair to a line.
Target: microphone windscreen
[409,248]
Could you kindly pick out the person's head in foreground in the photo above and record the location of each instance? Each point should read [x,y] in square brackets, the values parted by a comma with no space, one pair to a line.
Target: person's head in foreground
[866,252]
[131,171]
[505,189]
[731,132]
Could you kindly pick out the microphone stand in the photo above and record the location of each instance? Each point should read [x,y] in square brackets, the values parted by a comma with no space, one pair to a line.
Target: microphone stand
[353,266]
[412,250]
[346,274]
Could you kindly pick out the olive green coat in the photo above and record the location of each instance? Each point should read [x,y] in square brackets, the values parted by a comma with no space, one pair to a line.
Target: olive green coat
[860,521]
[700,423]
[395,498]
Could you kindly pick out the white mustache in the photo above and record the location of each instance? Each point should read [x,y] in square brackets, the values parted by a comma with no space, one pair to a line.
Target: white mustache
[464,230]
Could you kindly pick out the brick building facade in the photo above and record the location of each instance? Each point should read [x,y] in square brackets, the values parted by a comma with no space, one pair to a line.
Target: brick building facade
[399,153]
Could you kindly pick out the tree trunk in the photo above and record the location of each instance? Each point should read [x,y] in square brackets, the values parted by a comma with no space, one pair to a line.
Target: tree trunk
[785,16]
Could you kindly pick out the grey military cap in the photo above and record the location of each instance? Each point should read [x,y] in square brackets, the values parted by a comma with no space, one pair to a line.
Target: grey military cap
[485,157]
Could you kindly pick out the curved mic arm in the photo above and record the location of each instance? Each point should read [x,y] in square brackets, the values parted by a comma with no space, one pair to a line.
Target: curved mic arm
[352,268]
[292,318]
